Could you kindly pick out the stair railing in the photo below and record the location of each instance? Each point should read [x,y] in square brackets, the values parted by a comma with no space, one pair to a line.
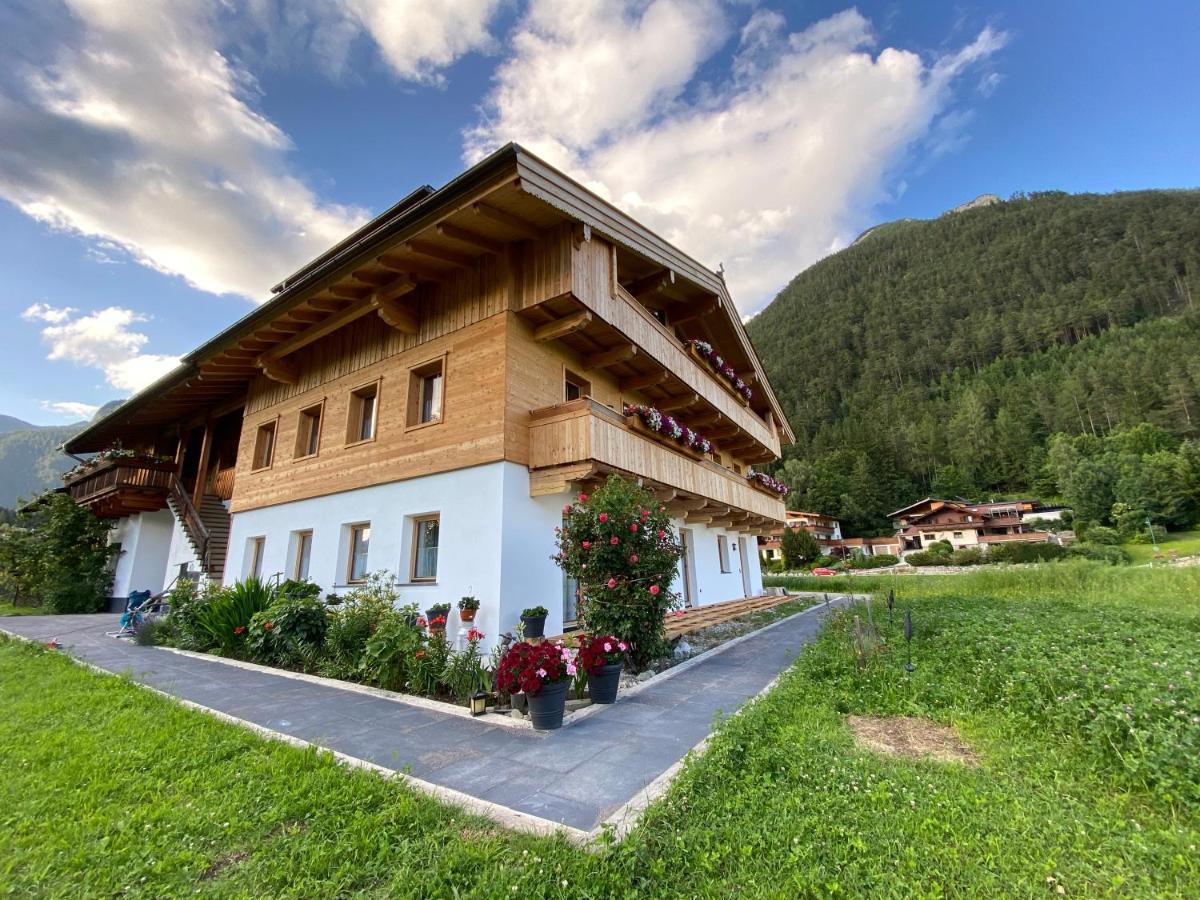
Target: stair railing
[193,525]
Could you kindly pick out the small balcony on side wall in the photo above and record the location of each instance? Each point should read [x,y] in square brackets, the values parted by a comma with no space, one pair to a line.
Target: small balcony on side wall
[121,485]
[582,441]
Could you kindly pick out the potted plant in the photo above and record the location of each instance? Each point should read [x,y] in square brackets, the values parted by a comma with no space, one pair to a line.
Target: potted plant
[467,607]
[534,620]
[438,609]
[437,625]
[543,672]
[602,657]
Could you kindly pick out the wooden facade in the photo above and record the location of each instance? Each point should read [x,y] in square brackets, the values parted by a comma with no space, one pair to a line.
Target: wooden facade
[509,282]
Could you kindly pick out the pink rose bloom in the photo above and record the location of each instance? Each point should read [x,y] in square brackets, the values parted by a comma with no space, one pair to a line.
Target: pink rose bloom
[633,557]
[613,540]
[566,508]
[583,498]
[662,535]
[603,517]
[633,527]
[586,545]
[612,583]
[654,589]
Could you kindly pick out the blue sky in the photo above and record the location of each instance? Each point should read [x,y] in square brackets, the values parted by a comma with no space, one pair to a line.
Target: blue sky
[161,166]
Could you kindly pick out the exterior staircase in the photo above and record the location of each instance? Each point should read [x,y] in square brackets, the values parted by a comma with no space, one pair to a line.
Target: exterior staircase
[206,528]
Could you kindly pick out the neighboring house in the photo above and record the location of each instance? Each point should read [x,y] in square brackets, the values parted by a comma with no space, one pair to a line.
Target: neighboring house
[424,397]
[826,529]
[872,546]
[963,524]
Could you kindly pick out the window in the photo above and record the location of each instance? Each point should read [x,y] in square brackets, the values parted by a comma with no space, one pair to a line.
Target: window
[958,534]
[723,552]
[425,548]
[360,539]
[575,387]
[364,410]
[425,390]
[308,432]
[257,546]
[264,446]
[303,555]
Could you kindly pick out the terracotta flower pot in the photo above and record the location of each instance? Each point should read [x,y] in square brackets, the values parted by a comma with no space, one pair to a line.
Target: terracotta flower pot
[467,615]
[546,707]
[603,685]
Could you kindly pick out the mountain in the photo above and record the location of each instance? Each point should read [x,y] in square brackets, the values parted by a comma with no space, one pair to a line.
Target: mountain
[941,355]
[30,461]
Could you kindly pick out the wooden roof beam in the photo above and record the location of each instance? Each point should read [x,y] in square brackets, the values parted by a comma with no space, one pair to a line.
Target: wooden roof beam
[410,267]
[349,291]
[673,404]
[615,356]
[318,331]
[465,236]
[375,279]
[525,229]
[641,382]
[278,370]
[652,283]
[558,328]
[329,304]
[397,312]
[433,251]
[694,312]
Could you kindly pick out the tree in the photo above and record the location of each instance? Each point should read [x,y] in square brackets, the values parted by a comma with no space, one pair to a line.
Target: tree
[67,563]
[799,547]
[619,545]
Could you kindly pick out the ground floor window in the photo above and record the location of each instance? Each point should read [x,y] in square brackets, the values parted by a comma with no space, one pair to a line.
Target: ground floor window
[360,540]
[426,532]
[723,552]
[303,555]
[257,547]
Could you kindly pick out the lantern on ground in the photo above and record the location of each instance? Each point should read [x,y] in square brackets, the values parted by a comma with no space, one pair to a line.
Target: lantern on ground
[478,703]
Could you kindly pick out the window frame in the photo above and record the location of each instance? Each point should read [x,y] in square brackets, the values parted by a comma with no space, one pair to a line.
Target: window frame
[258,552]
[352,541]
[354,412]
[302,417]
[273,425]
[302,535]
[583,385]
[416,379]
[723,554]
[416,523]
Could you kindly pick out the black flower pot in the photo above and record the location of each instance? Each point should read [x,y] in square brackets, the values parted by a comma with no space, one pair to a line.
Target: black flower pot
[602,686]
[535,626]
[546,707]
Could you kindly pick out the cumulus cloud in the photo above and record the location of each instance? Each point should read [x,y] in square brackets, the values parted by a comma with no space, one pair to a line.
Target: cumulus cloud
[102,340]
[765,166]
[142,135]
[74,409]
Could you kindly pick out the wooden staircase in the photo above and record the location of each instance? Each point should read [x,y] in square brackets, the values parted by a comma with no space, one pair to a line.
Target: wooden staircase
[207,528]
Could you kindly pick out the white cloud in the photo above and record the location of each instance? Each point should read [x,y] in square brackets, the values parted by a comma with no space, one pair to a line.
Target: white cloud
[143,135]
[73,409]
[102,340]
[764,167]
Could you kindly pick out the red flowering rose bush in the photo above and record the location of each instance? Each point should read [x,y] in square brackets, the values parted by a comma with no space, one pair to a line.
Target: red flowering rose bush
[596,652]
[530,667]
[619,545]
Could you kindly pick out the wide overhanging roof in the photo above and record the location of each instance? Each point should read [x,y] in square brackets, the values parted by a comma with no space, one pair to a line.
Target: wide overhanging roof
[212,374]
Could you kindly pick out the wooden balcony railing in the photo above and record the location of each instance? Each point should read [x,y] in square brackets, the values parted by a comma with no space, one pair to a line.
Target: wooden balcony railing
[121,486]
[572,441]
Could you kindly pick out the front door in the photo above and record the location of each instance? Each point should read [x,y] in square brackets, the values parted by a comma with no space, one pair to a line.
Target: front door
[689,567]
[744,557]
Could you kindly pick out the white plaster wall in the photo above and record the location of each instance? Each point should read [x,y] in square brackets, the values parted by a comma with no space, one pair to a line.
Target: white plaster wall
[145,541]
[529,577]
[468,501]
[180,552]
[713,585]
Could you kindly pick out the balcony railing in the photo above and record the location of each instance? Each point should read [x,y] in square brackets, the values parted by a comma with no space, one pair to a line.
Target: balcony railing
[121,486]
[573,440]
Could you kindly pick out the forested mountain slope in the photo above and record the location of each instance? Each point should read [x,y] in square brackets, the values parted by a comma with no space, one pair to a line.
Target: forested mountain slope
[30,461]
[942,355]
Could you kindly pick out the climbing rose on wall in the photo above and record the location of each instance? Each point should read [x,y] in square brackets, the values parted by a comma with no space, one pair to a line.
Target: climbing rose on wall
[620,546]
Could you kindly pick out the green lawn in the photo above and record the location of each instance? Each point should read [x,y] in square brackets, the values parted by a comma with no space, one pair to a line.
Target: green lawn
[7,609]
[1184,543]
[111,789]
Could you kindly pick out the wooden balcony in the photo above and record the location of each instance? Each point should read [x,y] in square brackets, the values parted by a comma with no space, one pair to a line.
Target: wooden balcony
[121,486]
[583,440]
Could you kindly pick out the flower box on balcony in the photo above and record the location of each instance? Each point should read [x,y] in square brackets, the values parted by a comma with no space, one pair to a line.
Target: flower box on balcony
[707,365]
[636,424]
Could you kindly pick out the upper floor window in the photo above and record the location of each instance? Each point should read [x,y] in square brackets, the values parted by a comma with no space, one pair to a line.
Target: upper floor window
[264,446]
[308,431]
[425,391]
[575,387]
[364,410]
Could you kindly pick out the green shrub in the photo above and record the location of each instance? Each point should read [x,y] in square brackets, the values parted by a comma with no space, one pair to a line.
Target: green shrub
[928,558]
[620,546]
[465,673]
[1114,556]
[152,632]
[1102,534]
[427,670]
[1024,552]
[289,632]
[967,556]
[534,612]
[185,599]
[61,556]
[224,614]
[878,561]
[391,651]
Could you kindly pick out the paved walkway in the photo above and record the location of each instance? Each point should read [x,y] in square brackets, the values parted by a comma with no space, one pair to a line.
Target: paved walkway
[578,776]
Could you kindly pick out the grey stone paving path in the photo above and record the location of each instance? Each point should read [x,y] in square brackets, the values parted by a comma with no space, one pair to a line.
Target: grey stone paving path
[577,776]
